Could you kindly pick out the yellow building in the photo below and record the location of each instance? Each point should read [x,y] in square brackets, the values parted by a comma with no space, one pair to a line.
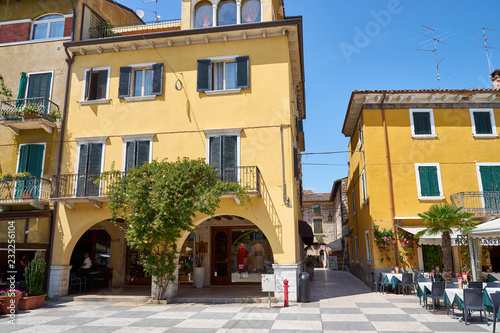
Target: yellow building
[410,149]
[224,83]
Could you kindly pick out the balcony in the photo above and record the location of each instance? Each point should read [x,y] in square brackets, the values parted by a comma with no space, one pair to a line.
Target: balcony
[106,30]
[484,204]
[29,113]
[33,191]
[73,188]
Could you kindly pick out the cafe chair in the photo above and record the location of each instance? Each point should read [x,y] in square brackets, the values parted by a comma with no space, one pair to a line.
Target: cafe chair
[495,299]
[437,293]
[452,285]
[384,284]
[378,283]
[424,280]
[476,284]
[77,281]
[454,280]
[492,285]
[473,301]
[407,282]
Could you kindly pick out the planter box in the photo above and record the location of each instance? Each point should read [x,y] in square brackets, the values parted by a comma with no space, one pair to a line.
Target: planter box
[5,303]
[50,118]
[32,302]
[26,196]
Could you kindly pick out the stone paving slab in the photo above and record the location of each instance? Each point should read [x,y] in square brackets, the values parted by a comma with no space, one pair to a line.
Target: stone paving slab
[347,306]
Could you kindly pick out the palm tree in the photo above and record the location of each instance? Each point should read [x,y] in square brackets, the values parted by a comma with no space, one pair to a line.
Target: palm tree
[442,219]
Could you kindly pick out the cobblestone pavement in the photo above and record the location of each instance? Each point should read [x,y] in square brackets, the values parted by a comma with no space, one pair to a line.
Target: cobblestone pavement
[339,303]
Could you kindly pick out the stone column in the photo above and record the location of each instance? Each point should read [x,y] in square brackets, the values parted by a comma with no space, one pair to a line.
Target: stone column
[214,15]
[59,280]
[291,273]
[238,11]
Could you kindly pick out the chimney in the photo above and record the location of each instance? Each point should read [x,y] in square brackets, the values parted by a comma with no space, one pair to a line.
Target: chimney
[495,79]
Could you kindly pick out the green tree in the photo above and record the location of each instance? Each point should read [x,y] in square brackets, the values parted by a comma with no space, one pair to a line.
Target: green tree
[158,202]
[5,93]
[442,219]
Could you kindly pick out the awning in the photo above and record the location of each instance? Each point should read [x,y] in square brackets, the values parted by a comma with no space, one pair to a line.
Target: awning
[336,245]
[486,230]
[431,239]
[306,233]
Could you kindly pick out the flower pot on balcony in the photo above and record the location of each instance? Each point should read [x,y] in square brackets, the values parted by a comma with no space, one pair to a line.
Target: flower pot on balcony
[9,304]
[27,196]
[32,302]
[50,117]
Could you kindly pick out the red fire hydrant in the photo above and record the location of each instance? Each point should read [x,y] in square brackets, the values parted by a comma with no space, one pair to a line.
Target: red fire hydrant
[285,284]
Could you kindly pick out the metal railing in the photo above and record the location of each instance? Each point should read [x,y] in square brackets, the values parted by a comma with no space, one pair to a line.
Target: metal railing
[478,203]
[30,187]
[106,30]
[86,184]
[27,107]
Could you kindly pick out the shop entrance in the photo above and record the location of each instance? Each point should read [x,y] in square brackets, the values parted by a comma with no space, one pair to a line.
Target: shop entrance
[240,255]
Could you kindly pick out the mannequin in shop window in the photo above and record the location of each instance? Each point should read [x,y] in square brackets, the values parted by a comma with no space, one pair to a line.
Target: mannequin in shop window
[242,258]
[258,254]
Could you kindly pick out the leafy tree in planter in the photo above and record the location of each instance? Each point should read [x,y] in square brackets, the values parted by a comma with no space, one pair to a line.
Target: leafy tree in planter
[442,219]
[158,202]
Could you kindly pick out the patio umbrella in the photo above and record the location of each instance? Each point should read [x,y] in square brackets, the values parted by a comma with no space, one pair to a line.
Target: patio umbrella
[22,89]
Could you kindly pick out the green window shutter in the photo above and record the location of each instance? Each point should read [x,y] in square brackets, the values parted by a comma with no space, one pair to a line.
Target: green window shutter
[215,154]
[130,157]
[204,77]
[88,78]
[157,88]
[429,184]
[482,122]
[422,122]
[243,72]
[95,157]
[495,175]
[35,160]
[23,158]
[490,178]
[39,85]
[125,81]
[142,152]
[102,84]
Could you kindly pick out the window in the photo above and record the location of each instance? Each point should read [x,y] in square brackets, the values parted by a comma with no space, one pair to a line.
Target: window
[141,80]
[39,85]
[49,26]
[223,74]
[31,157]
[363,187]
[368,249]
[353,196]
[90,160]
[137,152]
[489,181]
[483,123]
[250,12]
[429,181]
[96,84]
[357,248]
[223,154]
[318,226]
[317,209]
[360,134]
[422,123]
[352,251]
[227,13]
[204,15]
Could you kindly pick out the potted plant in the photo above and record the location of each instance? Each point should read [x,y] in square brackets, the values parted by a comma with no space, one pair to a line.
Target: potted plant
[199,270]
[22,175]
[9,300]
[34,275]
[53,115]
[310,262]
[6,176]
[31,110]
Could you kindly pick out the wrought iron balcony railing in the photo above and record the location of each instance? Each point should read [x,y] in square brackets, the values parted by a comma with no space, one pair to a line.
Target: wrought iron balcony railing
[30,187]
[86,185]
[478,203]
[28,107]
[106,31]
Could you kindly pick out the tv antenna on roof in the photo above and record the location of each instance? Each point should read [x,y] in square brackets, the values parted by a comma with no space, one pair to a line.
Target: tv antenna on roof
[155,12]
[487,48]
[433,40]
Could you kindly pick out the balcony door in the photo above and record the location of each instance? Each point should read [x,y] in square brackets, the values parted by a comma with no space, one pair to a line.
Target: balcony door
[39,87]
[89,169]
[221,256]
[223,155]
[31,161]
[490,179]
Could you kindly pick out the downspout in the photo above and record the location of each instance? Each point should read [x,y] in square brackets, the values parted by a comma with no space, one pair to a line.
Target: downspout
[69,61]
[389,176]
[286,199]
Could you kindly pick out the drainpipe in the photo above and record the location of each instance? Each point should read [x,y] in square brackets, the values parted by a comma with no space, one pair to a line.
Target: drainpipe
[389,176]
[286,199]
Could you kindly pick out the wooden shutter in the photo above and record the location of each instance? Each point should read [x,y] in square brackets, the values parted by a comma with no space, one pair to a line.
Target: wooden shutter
[84,154]
[490,178]
[422,122]
[142,152]
[203,81]
[242,72]
[39,85]
[95,157]
[88,78]
[215,152]
[125,81]
[229,151]
[130,155]
[23,158]
[429,184]
[482,122]
[157,81]
[35,160]
[102,84]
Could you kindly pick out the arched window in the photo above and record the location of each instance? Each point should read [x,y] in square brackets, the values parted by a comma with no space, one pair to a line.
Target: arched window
[204,15]
[227,13]
[49,26]
[250,11]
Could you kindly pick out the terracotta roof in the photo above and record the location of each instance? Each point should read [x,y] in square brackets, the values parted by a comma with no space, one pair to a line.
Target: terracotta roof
[487,90]
[310,196]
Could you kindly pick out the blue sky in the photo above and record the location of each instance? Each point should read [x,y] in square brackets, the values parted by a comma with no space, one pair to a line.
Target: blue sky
[367,44]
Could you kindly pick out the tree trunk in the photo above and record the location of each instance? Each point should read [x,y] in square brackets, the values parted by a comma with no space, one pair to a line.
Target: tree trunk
[447,256]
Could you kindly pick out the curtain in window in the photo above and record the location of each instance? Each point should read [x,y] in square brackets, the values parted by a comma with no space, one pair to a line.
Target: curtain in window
[227,13]
[204,17]
[56,29]
[251,11]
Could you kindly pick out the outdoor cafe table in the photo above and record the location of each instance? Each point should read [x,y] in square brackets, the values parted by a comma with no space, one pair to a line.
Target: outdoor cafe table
[393,279]
[423,289]
[492,277]
[488,304]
